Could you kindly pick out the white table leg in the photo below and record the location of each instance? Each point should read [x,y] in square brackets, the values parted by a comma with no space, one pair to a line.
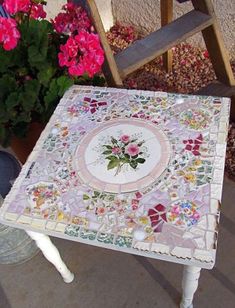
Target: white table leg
[52,254]
[191,275]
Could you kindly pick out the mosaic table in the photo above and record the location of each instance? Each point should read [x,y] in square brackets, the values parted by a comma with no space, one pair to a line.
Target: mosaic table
[134,171]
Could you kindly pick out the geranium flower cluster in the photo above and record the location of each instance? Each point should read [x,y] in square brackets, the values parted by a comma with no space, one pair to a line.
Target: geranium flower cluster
[35,10]
[9,34]
[15,6]
[82,52]
[73,20]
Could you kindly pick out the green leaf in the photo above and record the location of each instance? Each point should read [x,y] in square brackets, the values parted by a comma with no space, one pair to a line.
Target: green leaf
[5,60]
[85,197]
[133,164]
[140,160]
[57,88]
[36,57]
[20,118]
[7,85]
[113,140]
[22,71]
[46,74]
[98,81]
[96,193]
[29,95]
[112,164]
[64,83]
[111,157]
[52,94]
[11,101]
[108,146]
[135,156]
[107,152]
[35,37]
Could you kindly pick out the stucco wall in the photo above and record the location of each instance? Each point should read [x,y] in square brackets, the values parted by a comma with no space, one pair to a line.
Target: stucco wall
[145,15]
[53,7]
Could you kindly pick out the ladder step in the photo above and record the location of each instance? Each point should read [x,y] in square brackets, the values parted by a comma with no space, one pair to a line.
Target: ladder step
[217,89]
[158,42]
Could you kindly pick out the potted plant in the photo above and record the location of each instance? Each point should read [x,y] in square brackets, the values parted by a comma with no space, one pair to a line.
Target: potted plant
[40,60]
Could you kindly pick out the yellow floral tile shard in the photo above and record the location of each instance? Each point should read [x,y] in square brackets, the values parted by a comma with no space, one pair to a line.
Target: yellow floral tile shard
[144,220]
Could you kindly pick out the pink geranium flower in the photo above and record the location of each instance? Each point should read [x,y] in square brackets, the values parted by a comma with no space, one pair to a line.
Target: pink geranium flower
[37,11]
[132,149]
[78,55]
[77,69]
[125,138]
[15,6]
[91,65]
[9,34]
[72,47]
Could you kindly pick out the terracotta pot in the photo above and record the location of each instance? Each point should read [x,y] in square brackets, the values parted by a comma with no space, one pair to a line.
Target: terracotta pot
[22,147]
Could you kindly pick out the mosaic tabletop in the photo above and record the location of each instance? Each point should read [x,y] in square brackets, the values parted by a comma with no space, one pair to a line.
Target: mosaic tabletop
[135,171]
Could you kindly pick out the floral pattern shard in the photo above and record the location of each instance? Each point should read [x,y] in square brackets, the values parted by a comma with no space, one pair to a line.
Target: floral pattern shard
[195,119]
[183,214]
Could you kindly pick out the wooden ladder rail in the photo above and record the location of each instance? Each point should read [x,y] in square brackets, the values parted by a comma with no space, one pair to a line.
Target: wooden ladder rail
[110,69]
[166,7]
[219,58]
[215,44]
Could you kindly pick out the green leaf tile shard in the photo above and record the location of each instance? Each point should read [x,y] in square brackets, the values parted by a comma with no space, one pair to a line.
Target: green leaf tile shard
[72,230]
[124,241]
[88,234]
[105,238]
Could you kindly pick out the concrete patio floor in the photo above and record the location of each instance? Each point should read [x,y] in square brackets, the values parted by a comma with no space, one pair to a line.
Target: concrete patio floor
[106,279]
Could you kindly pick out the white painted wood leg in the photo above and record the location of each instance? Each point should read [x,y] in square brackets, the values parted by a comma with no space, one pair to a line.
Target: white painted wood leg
[191,275]
[52,254]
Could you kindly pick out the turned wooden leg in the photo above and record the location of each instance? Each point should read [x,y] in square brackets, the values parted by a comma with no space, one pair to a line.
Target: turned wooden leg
[189,284]
[52,254]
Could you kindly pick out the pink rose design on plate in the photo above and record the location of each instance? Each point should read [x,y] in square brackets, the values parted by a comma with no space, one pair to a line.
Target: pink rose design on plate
[124,151]
[132,149]
[116,150]
[125,138]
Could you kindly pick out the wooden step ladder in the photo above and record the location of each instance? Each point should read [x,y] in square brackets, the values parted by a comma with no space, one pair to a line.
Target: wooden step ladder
[201,18]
